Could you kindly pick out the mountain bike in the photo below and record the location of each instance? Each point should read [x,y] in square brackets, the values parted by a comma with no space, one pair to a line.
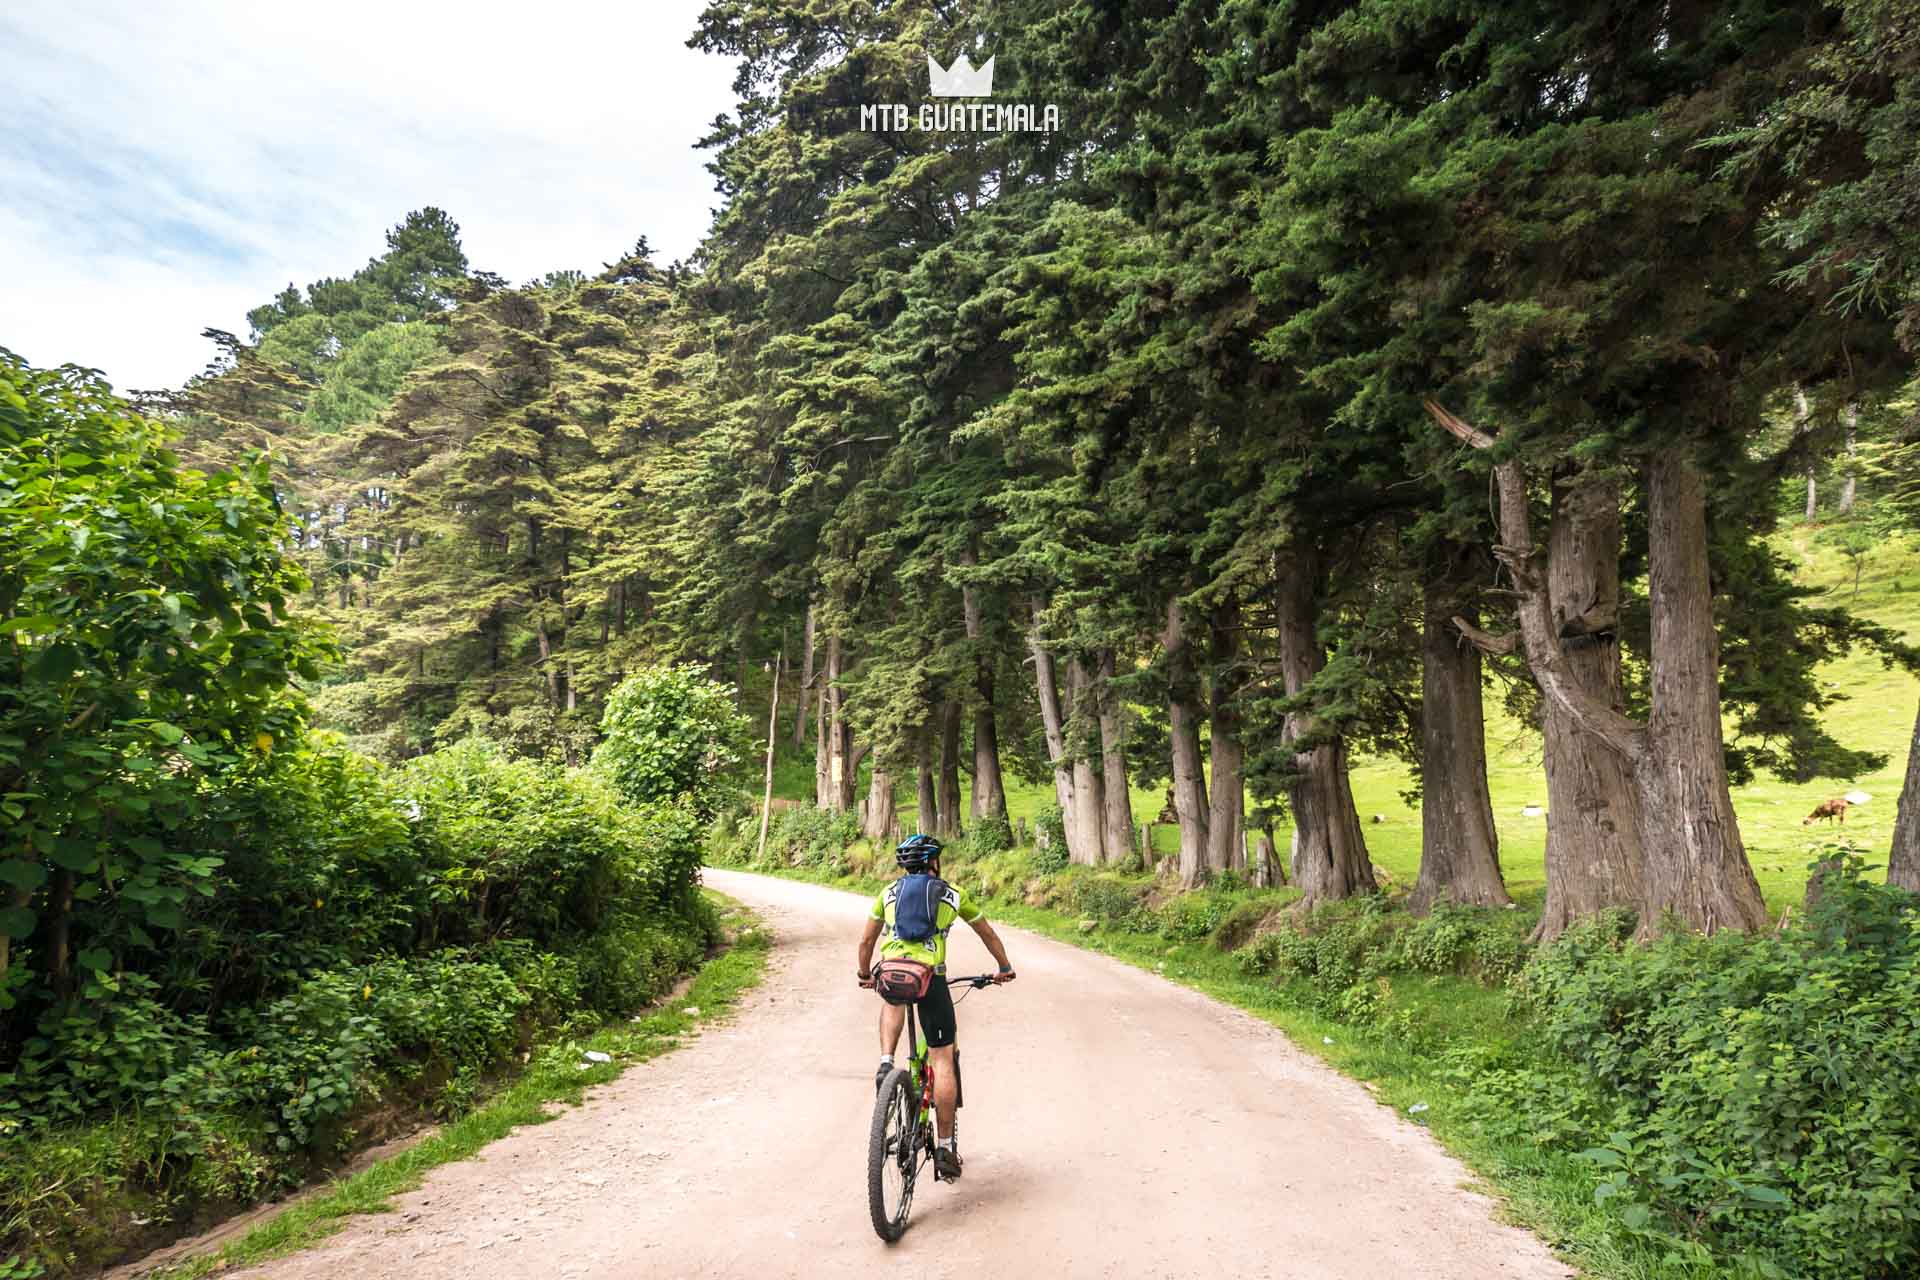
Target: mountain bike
[901,1142]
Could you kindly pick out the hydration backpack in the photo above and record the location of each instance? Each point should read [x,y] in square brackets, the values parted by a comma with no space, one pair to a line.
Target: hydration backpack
[916,906]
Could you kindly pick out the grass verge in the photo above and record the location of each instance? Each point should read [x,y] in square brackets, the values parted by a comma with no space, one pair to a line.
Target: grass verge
[556,1072]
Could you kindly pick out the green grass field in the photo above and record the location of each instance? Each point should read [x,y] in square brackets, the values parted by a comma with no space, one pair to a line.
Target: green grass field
[1877,714]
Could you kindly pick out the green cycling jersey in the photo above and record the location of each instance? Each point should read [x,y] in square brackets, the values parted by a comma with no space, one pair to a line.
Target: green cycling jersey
[954,905]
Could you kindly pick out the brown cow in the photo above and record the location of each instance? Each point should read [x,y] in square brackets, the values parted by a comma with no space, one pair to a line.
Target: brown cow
[1828,810]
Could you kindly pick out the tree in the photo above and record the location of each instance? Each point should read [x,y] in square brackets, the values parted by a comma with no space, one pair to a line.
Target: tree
[146,646]
[673,737]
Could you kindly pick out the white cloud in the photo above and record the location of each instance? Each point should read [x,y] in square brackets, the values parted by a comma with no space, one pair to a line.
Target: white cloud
[169,165]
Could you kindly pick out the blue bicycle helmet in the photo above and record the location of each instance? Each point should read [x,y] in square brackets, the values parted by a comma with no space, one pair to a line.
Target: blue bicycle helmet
[916,851]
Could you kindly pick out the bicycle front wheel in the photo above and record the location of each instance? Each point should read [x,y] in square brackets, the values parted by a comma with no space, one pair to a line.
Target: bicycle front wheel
[893,1157]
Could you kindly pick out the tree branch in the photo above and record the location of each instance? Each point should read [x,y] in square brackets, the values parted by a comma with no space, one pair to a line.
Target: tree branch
[1539,638]
[1486,641]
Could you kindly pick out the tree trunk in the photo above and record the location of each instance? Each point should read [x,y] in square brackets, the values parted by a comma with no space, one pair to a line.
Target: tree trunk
[1852,414]
[1329,850]
[60,933]
[1183,725]
[839,732]
[1802,413]
[1268,870]
[853,755]
[927,819]
[546,660]
[1054,725]
[1696,865]
[806,680]
[822,752]
[1903,866]
[1086,832]
[773,735]
[949,800]
[1118,807]
[1459,850]
[1594,859]
[989,790]
[1226,814]
[879,806]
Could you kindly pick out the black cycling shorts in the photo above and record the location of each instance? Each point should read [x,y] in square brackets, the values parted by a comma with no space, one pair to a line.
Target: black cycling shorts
[936,1013]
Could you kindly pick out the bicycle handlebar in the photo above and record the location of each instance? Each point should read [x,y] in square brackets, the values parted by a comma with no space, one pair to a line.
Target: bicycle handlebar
[976,981]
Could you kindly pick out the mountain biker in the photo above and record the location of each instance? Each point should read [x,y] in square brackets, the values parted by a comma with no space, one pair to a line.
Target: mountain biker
[921,853]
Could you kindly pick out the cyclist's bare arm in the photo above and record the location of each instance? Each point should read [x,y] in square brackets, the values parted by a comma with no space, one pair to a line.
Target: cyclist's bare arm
[994,945]
[865,958]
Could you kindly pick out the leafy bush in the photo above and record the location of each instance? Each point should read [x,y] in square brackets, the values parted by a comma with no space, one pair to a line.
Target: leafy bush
[1107,899]
[369,932]
[1337,954]
[1050,841]
[1771,1084]
[802,837]
[147,649]
[989,836]
[1189,917]
[673,735]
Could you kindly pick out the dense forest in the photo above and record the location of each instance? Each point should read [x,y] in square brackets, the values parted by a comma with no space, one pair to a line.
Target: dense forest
[1320,368]
[1334,379]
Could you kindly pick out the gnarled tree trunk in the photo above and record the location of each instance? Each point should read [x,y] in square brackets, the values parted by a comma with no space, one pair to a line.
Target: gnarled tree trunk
[1183,723]
[1459,849]
[1329,850]
[1695,865]
[1594,859]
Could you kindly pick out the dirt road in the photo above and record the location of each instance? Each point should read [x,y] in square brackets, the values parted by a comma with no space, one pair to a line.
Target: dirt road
[1116,1125]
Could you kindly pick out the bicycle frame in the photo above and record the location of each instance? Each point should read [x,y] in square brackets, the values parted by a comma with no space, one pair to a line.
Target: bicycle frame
[917,1062]
[914,1149]
[922,1084]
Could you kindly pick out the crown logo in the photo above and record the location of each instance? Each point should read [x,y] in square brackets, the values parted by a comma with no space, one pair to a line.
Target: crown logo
[960,80]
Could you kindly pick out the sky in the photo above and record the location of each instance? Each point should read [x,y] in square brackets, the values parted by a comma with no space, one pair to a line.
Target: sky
[166,166]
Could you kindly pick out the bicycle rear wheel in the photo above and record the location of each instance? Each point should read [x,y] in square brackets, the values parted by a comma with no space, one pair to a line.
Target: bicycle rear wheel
[893,1157]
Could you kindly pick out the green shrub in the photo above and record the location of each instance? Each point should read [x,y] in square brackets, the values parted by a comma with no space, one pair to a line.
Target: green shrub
[1050,841]
[370,934]
[148,653]
[808,837]
[1189,917]
[990,835]
[671,735]
[1771,1083]
[1107,899]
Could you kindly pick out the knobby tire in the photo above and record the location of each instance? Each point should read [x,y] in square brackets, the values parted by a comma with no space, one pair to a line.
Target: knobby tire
[895,1114]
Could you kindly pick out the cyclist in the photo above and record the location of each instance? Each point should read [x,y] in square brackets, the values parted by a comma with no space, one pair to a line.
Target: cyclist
[922,853]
